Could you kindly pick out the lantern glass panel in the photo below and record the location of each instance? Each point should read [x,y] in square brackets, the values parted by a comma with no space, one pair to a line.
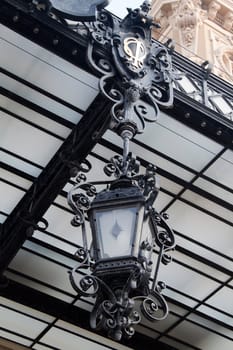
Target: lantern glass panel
[116,231]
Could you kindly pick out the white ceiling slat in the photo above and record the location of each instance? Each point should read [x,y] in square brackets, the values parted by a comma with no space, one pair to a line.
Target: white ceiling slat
[222,299]
[27,141]
[208,205]
[39,286]
[172,141]
[201,227]
[20,323]
[151,157]
[34,117]
[187,281]
[222,172]
[42,270]
[20,164]
[9,197]
[214,190]
[15,338]
[26,310]
[40,99]
[200,337]
[68,83]
[15,179]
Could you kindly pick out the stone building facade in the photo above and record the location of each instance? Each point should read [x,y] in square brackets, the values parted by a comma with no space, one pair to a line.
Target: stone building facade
[202,30]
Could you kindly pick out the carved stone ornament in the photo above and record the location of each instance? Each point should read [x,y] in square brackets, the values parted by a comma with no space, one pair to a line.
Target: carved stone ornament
[83,10]
[138,75]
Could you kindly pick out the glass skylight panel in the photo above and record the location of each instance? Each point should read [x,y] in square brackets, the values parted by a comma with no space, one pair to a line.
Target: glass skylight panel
[214,189]
[206,252]
[162,201]
[90,335]
[201,337]
[15,179]
[201,227]
[199,265]
[209,205]
[44,74]
[175,343]
[163,325]
[15,338]
[59,224]
[169,185]
[59,338]
[16,136]
[188,281]
[49,253]
[182,145]
[55,242]
[41,347]
[225,175]
[211,325]
[40,99]
[228,156]
[26,310]
[19,323]
[153,158]
[42,270]
[10,196]
[221,104]
[218,315]
[46,56]
[187,85]
[188,133]
[20,164]
[223,300]
[34,117]
[27,281]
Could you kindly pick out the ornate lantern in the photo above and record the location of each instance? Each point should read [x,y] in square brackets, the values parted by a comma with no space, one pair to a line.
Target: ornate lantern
[130,239]
[125,231]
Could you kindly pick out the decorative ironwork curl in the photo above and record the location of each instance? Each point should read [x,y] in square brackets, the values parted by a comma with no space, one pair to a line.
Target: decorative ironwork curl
[88,285]
[154,307]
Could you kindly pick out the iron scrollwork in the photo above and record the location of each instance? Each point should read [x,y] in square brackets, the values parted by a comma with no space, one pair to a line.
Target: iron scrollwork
[138,75]
[121,305]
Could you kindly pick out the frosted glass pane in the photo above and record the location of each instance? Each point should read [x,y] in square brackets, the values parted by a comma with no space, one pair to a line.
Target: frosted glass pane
[34,117]
[19,323]
[186,280]
[151,157]
[201,227]
[215,190]
[42,270]
[27,310]
[208,205]
[39,287]
[10,196]
[27,141]
[15,338]
[15,179]
[216,314]
[223,300]
[225,175]
[18,163]
[116,229]
[187,85]
[62,339]
[201,337]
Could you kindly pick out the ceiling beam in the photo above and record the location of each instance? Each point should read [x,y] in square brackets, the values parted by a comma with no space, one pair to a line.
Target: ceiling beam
[31,208]
[69,313]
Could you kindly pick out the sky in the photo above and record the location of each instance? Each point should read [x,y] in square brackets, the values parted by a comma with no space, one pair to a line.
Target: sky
[118,7]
